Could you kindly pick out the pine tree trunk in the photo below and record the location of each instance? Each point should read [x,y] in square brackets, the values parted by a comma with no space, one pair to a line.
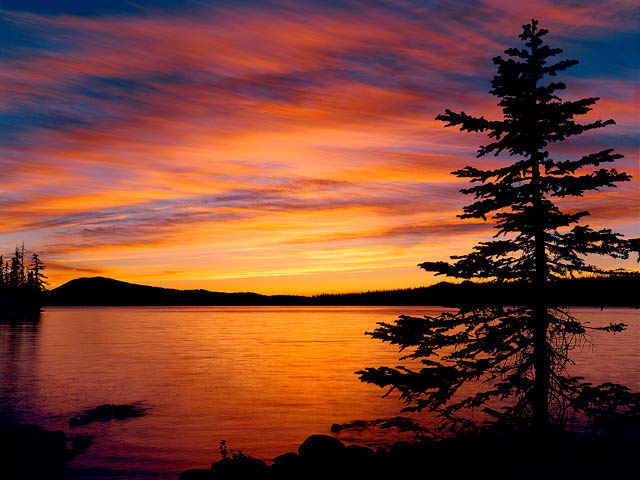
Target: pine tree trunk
[541,323]
[541,359]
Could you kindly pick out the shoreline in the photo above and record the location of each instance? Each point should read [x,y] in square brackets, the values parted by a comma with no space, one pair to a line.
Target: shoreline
[33,453]
[486,456]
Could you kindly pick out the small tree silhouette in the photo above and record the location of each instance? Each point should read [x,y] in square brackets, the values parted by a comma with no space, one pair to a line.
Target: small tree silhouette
[519,352]
[38,279]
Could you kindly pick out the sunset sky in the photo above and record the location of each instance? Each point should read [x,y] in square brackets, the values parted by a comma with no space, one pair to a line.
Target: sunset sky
[277,147]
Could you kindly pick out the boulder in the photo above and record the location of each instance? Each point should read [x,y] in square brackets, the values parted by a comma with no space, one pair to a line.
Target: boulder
[361,462]
[288,466]
[401,449]
[321,448]
[30,452]
[81,442]
[106,412]
[196,474]
[359,454]
[238,468]
[287,459]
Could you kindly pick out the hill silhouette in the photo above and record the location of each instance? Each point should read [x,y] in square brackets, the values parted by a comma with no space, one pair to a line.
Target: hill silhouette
[613,291]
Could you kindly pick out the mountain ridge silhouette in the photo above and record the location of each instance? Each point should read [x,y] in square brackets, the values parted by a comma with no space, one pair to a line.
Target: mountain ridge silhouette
[613,291]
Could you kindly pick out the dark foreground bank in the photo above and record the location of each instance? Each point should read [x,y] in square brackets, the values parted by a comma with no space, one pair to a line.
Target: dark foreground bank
[564,456]
[31,453]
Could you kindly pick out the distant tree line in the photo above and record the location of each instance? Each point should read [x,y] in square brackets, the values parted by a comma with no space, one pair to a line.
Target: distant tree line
[613,290]
[22,282]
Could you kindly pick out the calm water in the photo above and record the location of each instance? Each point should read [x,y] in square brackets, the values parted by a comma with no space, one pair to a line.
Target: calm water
[262,378]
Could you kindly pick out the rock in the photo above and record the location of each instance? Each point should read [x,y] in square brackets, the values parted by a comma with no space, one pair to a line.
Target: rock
[56,440]
[404,460]
[81,442]
[78,420]
[196,474]
[289,458]
[106,412]
[360,454]
[288,466]
[337,427]
[321,448]
[52,446]
[401,449]
[424,448]
[30,452]
[361,462]
[238,468]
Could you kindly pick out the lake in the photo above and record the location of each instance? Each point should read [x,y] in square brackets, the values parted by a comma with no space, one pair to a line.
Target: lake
[261,378]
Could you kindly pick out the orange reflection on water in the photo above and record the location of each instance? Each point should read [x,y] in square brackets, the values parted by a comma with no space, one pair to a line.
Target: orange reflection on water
[262,379]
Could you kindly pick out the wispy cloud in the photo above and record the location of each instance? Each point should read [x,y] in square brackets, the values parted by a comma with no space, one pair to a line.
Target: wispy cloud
[218,141]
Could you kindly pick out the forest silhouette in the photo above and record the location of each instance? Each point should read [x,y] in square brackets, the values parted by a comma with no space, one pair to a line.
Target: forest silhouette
[22,285]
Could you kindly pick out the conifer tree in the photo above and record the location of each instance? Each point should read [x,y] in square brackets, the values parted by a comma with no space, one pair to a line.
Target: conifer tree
[516,354]
[39,280]
[16,274]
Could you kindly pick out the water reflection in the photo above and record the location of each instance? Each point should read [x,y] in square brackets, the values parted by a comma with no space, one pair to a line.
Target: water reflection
[19,342]
[261,378]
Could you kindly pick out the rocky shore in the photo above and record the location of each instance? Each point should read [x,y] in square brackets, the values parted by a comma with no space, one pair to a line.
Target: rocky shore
[514,456]
[29,452]
[32,453]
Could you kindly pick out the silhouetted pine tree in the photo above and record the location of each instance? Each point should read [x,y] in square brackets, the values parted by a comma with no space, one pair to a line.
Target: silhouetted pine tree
[518,354]
[38,279]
